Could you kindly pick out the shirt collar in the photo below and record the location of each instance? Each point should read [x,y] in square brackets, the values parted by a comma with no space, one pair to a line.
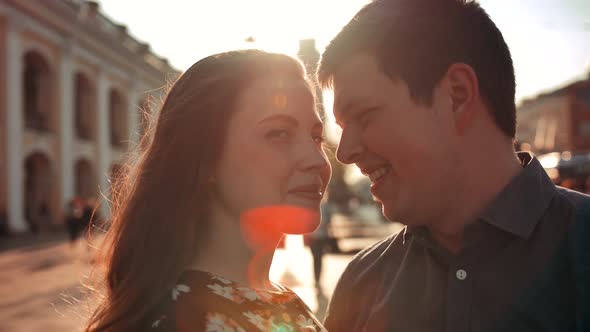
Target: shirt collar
[520,205]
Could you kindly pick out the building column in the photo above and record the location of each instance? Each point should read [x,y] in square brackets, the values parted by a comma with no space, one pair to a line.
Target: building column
[15,128]
[103,142]
[66,128]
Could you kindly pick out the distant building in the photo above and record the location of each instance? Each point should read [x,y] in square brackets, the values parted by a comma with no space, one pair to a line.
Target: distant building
[72,83]
[557,121]
[310,56]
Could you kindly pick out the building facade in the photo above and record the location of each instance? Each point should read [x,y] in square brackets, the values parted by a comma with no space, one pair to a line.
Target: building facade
[557,121]
[310,56]
[73,89]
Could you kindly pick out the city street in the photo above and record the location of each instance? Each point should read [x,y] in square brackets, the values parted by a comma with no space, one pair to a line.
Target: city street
[41,285]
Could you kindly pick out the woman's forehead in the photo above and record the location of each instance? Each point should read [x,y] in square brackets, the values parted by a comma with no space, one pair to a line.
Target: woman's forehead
[273,85]
[275,95]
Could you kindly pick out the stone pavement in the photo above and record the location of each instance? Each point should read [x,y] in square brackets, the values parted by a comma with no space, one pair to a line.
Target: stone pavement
[42,281]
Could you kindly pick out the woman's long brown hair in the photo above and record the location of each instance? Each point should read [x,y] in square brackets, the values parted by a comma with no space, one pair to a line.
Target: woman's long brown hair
[160,202]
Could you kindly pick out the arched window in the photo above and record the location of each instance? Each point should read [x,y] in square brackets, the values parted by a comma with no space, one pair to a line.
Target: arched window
[39,186]
[86,186]
[118,119]
[144,116]
[36,92]
[84,107]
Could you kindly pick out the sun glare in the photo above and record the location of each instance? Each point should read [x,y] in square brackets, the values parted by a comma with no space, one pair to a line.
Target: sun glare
[185,31]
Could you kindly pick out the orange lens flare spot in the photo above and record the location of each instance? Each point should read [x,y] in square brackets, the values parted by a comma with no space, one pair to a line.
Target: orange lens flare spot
[279,101]
[264,226]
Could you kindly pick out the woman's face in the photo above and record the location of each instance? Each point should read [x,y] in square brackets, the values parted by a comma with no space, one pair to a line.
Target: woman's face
[273,163]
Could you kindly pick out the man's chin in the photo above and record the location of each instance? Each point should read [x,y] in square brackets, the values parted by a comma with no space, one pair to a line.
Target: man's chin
[391,217]
[389,212]
[394,214]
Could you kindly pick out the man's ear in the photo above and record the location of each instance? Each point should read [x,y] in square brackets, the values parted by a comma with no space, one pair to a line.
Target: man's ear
[463,89]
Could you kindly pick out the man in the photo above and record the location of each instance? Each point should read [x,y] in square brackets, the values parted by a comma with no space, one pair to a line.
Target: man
[424,93]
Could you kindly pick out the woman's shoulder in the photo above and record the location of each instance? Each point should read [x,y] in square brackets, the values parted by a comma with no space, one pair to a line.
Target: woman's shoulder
[187,294]
[202,300]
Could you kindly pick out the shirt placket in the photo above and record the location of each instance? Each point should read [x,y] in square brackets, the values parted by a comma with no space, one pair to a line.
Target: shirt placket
[458,297]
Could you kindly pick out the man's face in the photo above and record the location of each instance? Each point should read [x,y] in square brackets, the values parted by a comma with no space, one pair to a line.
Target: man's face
[407,149]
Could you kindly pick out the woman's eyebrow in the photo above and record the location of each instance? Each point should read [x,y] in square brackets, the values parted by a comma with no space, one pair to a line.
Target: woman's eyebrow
[281,117]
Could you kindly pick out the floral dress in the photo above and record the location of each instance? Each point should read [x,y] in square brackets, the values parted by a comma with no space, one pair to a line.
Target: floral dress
[201,301]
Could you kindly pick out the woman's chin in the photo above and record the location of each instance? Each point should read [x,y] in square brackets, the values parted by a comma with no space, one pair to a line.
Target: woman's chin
[301,228]
[265,223]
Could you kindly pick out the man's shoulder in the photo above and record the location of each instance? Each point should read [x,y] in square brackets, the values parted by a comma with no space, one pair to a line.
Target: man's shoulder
[576,198]
[376,254]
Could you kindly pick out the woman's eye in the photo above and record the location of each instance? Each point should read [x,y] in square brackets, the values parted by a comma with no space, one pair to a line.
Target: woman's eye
[319,139]
[281,134]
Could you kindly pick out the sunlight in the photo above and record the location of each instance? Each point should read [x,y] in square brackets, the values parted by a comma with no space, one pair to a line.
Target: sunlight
[540,36]
[202,28]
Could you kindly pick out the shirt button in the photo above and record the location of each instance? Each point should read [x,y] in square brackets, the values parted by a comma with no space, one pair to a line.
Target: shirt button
[461,274]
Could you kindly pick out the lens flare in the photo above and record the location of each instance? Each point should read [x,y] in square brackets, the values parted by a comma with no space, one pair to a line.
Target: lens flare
[279,101]
[264,226]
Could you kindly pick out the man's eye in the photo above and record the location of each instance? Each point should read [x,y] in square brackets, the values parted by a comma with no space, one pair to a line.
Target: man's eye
[365,117]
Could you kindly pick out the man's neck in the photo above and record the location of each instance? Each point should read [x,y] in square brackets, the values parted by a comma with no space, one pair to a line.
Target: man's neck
[484,174]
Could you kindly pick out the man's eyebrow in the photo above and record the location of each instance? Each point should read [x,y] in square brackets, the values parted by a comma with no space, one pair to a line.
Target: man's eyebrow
[344,110]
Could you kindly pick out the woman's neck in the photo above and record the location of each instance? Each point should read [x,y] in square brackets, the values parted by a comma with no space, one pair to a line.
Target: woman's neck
[224,251]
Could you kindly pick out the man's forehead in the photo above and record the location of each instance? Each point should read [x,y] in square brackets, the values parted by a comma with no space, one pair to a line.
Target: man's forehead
[354,81]
[346,96]
[354,74]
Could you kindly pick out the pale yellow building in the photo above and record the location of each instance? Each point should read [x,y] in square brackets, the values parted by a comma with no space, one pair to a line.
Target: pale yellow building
[72,86]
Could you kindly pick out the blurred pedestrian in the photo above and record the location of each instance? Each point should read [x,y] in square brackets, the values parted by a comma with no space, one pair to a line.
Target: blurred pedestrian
[32,220]
[74,220]
[44,217]
[320,242]
[3,223]
[235,162]
[90,216]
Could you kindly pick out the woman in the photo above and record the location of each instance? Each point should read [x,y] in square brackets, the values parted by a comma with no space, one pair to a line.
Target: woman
[235,161]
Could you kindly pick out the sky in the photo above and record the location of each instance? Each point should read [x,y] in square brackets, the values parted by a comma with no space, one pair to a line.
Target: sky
[549,39]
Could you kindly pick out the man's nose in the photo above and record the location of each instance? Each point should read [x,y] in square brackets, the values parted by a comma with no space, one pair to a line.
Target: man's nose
[350,147]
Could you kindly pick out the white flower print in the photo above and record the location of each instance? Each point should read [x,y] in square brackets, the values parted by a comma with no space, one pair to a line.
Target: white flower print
[256,320]
[222,279]
[264,296]
[179,288]
[248,293]
[225,291]
[305,322]
[220,323]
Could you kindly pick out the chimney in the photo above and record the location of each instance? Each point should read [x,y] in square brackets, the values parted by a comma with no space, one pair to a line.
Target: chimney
[91,9]
[309,55]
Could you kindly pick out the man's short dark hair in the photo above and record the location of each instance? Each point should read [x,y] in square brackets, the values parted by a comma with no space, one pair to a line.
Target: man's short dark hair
[417,40]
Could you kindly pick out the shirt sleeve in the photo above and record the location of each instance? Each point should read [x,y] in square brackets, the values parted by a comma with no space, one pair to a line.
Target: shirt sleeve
[338,312]
[344,310]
